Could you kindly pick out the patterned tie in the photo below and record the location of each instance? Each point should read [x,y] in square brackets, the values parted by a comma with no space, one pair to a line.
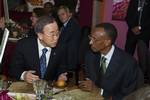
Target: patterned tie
[103,64]
[101,72]
[43,62]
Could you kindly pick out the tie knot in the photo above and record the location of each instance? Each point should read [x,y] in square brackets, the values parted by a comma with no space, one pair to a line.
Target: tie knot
[103,59]
[44,50]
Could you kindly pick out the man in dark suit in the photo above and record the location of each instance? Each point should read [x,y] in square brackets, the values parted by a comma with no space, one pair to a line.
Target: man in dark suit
[26,62]
[116,76]
[138,21]
[70,36]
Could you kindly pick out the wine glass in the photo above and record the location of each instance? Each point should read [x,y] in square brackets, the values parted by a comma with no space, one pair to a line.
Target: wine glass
[39,87]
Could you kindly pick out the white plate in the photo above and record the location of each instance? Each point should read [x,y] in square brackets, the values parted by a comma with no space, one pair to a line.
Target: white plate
[13,39]
[57,90]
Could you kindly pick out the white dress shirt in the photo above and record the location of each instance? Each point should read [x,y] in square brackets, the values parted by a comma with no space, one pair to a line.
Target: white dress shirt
[108,57]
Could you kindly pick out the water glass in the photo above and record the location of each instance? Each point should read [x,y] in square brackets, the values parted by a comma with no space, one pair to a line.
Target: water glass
[4,85]
[39,87]
[49,93]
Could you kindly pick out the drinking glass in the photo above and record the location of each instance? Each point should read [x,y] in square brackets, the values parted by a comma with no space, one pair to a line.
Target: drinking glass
[1,85]
[49,92]
[39,87]
[4,85]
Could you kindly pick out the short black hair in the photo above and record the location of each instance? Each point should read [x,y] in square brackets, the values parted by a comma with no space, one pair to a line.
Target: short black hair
[42,22]
[110,30]
[66,8]
[39,12]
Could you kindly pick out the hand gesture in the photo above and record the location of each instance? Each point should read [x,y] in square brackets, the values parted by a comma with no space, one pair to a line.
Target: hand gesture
[30,77]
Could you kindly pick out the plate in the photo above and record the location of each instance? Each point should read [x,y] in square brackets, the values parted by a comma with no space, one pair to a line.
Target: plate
[13,39]
[57,90]
[22,96]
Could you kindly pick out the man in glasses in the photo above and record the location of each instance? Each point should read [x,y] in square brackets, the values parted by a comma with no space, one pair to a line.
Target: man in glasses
[36,57]
[107,67]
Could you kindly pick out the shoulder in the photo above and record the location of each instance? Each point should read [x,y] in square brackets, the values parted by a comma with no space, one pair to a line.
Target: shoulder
[26,41]
[124,57]
[73,22]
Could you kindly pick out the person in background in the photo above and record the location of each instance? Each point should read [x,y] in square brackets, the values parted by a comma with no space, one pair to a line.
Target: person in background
[107,67]
[36,14]
[138,22]
[70,36]
[37,57]
[48,8]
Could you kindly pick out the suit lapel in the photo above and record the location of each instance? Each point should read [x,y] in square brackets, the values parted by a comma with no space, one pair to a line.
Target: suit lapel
[51,60]
[113,65]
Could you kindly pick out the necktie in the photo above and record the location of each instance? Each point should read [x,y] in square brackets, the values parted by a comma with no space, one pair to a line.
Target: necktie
[43,62]
[101,72]
[103,64]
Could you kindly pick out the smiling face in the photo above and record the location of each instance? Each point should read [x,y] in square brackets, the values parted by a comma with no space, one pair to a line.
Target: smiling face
[99,41]
[64,15]
[50,35]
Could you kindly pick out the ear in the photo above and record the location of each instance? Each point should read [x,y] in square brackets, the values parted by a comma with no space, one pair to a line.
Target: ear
[40,35]
[108,42]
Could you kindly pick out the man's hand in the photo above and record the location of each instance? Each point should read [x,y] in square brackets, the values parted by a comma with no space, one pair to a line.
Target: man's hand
[30,77]
[136,30]
[63,76]
[86,85]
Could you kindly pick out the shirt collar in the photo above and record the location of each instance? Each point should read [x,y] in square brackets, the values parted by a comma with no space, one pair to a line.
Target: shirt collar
[110,53]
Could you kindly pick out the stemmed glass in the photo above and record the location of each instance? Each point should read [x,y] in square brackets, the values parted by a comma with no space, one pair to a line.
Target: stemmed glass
[39,88]
[49,92]
[4,84]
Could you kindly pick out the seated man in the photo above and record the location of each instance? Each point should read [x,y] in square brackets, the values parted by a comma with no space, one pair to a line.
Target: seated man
[107,67]
[36,57]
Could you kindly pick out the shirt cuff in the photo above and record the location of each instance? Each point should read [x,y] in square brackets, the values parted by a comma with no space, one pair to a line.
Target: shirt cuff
[22,75]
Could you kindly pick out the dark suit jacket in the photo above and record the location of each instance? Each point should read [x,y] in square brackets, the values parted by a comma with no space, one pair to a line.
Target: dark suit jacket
[120,77]
[70,37]
[133,17]
[26,57]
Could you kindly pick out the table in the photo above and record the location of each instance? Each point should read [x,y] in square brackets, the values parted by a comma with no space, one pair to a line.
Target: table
[74,91]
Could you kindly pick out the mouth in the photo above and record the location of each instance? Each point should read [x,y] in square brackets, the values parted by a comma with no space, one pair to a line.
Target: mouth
[54,44]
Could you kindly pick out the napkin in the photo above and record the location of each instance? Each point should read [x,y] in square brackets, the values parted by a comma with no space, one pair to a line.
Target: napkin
[4,95]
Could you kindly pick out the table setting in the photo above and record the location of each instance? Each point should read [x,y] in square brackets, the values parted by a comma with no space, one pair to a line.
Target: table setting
[41,90]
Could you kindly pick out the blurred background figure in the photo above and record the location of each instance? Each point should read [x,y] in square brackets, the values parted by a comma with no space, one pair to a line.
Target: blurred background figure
[70,36]
[138,22]
[36,14]
[48,8]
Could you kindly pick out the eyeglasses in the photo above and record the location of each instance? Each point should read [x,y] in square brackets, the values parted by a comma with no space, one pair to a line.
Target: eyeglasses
[93,38]
[52,34]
